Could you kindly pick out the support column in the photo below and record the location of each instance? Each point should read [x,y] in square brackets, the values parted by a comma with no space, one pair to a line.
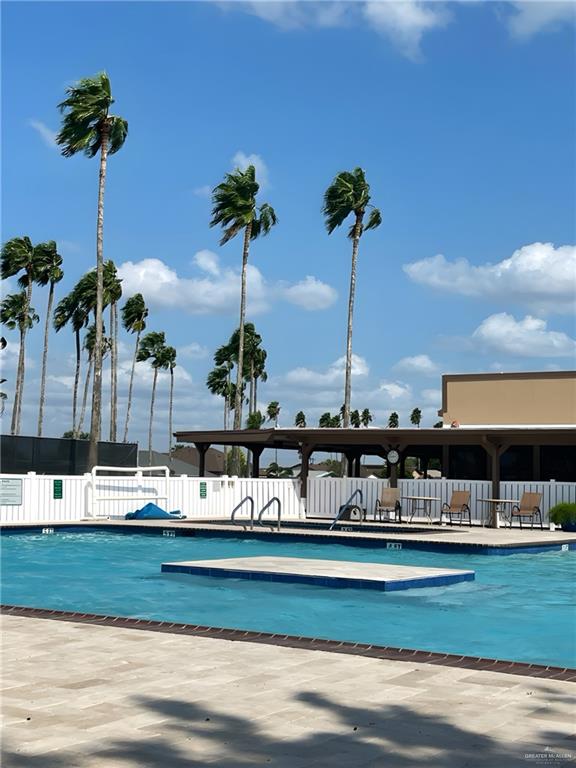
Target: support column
[306,452]
[256,452]
[202,448]
[357,466]
[393,475]
[350,463]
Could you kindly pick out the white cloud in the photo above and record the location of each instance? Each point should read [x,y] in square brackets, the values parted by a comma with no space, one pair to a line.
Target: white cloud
[418,364]
[530,18]
[217,289]
[311,294]
[295,15]
[404,23]
[203,191]
[333,376]
[395,390]
[528,337]
[194,351]
[538,275]
[207,261]
[242,160]
[432,396]
[47,135]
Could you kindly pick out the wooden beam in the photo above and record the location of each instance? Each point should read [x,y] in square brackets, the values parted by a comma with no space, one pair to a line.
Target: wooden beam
[306,451]
[202,449]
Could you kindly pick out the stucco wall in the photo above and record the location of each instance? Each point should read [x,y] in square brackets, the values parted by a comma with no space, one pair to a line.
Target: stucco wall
[518,399]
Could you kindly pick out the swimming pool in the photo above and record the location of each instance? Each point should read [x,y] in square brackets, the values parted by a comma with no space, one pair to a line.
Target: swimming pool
[520,607]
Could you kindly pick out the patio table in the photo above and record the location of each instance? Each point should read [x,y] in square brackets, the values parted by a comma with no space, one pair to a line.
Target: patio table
[496,506]
[425,502]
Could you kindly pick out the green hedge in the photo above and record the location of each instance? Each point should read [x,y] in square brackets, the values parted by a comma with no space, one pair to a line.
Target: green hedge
[563,513]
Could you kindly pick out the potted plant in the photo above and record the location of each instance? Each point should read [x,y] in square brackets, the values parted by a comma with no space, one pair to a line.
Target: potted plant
[564,514]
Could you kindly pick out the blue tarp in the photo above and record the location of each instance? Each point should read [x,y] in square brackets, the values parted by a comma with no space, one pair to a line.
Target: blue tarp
[152,511]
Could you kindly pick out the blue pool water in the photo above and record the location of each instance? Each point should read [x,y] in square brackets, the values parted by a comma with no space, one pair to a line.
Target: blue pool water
[520,607]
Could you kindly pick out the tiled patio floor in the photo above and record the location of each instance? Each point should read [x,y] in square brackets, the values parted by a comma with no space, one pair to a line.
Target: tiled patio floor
[78,695]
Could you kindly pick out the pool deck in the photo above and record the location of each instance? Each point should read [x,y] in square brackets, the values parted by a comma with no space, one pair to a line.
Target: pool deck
[77,695]
[325,573]
[445,536]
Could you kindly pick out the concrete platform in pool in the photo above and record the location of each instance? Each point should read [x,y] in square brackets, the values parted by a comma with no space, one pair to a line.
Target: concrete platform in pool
[326,573]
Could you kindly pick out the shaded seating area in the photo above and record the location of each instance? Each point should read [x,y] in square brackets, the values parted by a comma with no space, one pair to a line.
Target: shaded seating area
[388,504]
[529,507]
[458,507]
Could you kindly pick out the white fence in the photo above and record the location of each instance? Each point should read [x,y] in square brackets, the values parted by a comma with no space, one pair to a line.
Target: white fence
[215,498]
[197,498]
[326,495]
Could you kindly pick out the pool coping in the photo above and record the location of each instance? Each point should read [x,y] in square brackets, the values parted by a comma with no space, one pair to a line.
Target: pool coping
[192,527]
[390,653]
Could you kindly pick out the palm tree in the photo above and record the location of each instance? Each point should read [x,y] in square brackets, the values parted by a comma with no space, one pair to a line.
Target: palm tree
[255,420]
[49,273]
[348,194]
[153,347]
[259,368]
[16,312]
[70,310]
[112,295]
[89,127]
[170,359]
[393,420]
[218,382]
[134,314]
[19,255]
[325,420]
[234,208]
[89,341]
[416,417]
[300,419]
[366,417]
[273,412]
[355,419]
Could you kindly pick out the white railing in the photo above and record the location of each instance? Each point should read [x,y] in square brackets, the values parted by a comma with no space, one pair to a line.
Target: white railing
[112,496]
[214,498]
[139,490]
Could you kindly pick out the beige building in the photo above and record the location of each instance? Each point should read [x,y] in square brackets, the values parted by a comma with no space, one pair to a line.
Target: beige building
[540,399]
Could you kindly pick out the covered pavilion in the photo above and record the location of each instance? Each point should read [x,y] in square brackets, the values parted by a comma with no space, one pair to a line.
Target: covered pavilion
[464,453]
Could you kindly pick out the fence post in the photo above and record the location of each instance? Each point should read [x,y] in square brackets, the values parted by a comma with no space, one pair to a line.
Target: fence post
[88,495]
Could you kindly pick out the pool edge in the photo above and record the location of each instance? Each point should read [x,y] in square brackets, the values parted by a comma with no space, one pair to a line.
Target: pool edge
[473,663]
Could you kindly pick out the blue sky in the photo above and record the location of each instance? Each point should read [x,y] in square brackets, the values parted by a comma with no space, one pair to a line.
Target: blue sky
[462,115]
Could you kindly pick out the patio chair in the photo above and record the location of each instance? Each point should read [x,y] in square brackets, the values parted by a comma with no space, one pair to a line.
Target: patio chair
[389,502]
[529,507]
[458,507]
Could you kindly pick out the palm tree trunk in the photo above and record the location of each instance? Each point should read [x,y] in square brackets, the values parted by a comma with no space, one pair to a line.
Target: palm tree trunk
[255,392]
[45,359]
[252,399]
[351,297]
[85,397]
[113,372]
[19,392]
[170,414]
[15,425]
[151,416]
[76,383]
[130,386]
[95,419]
[238,399]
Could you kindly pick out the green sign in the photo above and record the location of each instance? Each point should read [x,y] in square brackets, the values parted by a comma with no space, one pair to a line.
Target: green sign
[57,489]
[203,490]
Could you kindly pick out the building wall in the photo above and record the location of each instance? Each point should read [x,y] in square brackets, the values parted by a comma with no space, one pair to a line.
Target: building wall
[520,399]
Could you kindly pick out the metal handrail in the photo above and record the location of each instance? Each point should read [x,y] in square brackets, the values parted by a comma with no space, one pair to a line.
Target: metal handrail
[269,504]
[238,506]
[348,504]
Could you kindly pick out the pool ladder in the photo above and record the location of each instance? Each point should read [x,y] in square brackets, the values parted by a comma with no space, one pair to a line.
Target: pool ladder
[266,506]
